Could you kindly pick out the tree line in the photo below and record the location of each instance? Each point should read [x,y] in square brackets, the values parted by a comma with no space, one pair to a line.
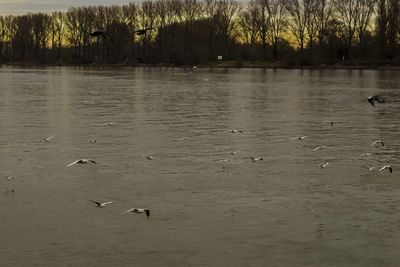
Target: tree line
[191,32]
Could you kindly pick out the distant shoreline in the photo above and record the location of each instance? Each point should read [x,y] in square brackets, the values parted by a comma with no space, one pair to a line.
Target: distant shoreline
[223,64]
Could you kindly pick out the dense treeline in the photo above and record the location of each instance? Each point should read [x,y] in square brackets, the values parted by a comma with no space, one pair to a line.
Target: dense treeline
[191,31]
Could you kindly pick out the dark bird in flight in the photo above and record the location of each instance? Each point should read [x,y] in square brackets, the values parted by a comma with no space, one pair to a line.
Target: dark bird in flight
[143,31]
[101,34]
[373,98]
[99,204]
[139,59]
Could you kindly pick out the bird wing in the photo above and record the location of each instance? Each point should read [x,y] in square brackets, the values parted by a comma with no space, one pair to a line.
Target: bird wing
[92,161]
[147,213]
[106,203]
[48,138]
[130,210]
[374,143]
[96,202]
[381,169]
[315,149]
[379,99]
[73,163]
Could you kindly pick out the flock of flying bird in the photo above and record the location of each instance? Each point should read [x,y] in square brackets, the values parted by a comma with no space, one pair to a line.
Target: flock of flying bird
[106,36]
[372,100]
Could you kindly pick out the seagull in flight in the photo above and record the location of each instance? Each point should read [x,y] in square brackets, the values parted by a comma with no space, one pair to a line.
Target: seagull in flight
[99,204]
[328,121]
[108,124]
[373,98]
[92,141]
[235,152]
[82,161]
[298,138]
[253,159]
[9,178]
[182,138]
[324,165]
[48,138]
[319,147]
[377,142]
[234,131]
[139,211]
[150,157]
[389,167]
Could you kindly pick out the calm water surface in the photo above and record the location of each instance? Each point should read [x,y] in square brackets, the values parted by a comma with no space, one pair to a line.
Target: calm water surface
[209,208]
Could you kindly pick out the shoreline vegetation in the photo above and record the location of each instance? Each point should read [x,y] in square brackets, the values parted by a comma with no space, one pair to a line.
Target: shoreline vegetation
[357,34]
[223,64]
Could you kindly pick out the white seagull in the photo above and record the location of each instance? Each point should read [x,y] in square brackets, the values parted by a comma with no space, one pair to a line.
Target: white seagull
[377,142]
[101,205]
[150,157]
[235,152]
[253,159]
[319,147]
[81,161]
[234,131]
[9,178]
[328,121]
[298,137]
[138,211]
[48,138]
[389,167]
[108,124]
[324,165]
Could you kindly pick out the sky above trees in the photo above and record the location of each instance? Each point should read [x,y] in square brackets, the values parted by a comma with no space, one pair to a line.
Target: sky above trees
[16,7]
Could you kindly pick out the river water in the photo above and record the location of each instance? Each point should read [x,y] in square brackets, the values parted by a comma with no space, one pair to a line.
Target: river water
[208,206]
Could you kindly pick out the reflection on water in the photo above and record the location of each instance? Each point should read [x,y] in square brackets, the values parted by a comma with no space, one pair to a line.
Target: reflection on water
[210,207]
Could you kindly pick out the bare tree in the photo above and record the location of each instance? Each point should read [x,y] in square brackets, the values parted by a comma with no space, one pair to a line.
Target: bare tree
[277,23]
[365,10]
[227,11]
[347,13]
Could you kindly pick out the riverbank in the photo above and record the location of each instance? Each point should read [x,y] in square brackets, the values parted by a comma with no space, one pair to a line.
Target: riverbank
[226,64]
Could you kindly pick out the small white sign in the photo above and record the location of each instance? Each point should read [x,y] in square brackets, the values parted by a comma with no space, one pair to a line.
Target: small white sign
[219,57]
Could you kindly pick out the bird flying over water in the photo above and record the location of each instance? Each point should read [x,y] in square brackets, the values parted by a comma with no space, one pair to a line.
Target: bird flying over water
[234,131]
[99,204]
[100,34]
[319,147]
[9,178]
[139,211]
[298,138]
[373,98]
[324,165]
[48,138]
[143,31]
[389,167]
[328,121]
[82,161]
[377,142]
[253,159]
